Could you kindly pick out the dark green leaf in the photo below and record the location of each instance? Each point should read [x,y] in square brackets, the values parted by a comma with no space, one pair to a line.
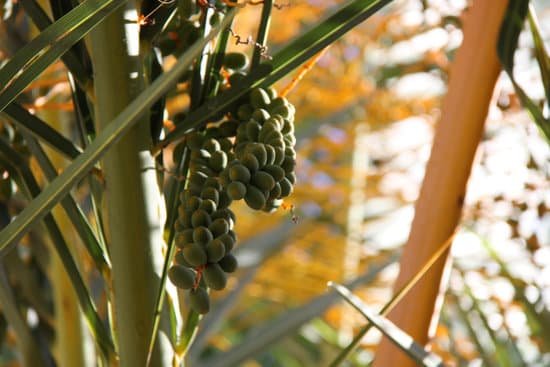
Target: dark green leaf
[71,58]
[75,215]
[62,185]
[29,122]
[29,62]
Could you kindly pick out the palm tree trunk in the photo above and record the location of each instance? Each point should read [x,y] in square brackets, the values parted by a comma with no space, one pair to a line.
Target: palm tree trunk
[132,199]
[438,209]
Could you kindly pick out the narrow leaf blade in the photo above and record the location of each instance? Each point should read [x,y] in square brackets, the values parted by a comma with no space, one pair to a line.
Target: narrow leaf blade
[61,186]
[54,41]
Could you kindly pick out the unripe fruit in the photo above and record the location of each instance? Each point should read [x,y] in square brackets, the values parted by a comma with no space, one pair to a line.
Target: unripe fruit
[240,173]
[235,60]
[208,206]
[270,154]
[288,127]
[290,140]
[225,200]
[218,227]
[182,210]
[183,237]
[215,250]
[200,218]
[236,190]
[258,150]
[272,93]
[197,179]
[263,180]
[277,102]
[260,115]
[250,162]
[284,111]
[275,135]
[291,176]
[226,214]
[214,183]
[259,98]
[181,276]
[218,161]
[199,301]
[226,145]
[214,277]
[233,235]
[200,154]
[276,192]
[180,259]
[277,172]
[228,263]
[266,130]
[194,254]
[254,198]
[289,164]
[178,226]
[185,219]
[290,152]
[228,242]
[286,187]
[192,203]
[224,177]
[202,235]
[279,155]
[211,145]
[210,193]
[276,142]
[252,130]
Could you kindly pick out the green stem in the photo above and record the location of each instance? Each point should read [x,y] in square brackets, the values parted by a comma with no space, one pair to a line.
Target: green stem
[132,200]
[263,30]
[212,83]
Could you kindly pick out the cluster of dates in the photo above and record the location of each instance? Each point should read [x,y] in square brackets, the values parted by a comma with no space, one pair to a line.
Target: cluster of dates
[250,156]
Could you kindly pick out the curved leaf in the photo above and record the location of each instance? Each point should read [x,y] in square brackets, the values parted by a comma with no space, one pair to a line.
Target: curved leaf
[62,185]
[54,41]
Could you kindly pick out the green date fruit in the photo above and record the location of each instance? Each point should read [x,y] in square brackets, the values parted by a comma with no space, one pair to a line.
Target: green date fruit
[199,300]
[214,277]
[181,276]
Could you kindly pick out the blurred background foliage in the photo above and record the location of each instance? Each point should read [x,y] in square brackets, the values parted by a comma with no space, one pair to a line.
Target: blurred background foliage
[365,118]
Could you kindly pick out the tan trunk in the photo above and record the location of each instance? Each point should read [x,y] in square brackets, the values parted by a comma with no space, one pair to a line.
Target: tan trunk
[438,209]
